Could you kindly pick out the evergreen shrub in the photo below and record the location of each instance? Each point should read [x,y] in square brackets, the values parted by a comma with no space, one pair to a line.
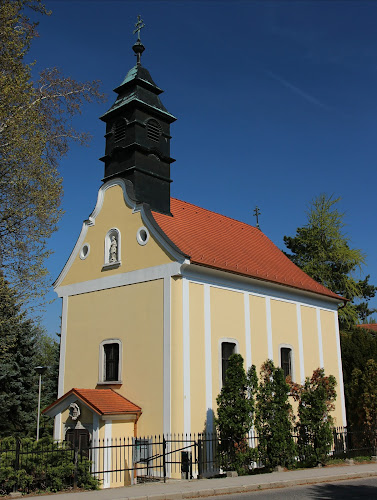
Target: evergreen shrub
[315,427]
[235,415]
[274,419]
[42,466]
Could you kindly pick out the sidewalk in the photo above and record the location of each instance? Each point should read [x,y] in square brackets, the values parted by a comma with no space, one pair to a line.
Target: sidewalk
[196,488]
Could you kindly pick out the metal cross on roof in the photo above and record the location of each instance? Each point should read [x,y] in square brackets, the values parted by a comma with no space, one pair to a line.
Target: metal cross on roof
[138,26]
[257,213]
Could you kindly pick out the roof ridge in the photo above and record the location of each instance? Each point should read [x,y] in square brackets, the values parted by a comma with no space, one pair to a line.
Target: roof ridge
[216,213]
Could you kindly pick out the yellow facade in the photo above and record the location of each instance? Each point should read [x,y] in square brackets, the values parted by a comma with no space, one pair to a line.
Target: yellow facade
[124,313]
[310,339]
[171,324]
[258,327]
[115,214]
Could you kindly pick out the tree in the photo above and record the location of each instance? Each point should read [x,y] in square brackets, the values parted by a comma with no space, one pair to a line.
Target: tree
[47,354]
[363,395]
[274,418]
[322,250]
[316,399]
[235,414]
[35,132]
[18,381]
[358,345]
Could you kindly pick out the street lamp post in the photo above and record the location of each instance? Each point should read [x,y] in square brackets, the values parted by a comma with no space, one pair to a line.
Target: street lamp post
[40,370]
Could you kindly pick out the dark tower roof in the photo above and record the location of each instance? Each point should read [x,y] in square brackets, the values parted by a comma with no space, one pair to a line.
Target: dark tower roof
[138,137]
[138,86]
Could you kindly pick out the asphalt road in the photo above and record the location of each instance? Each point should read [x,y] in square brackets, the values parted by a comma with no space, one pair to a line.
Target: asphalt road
[344,490]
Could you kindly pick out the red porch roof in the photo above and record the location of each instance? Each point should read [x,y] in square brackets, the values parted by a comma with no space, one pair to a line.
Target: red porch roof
[102,401]
[219,242]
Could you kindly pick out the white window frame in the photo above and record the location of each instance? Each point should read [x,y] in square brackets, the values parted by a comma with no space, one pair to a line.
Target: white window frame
[101,363]
[220,361]
[289,346]
[114,231]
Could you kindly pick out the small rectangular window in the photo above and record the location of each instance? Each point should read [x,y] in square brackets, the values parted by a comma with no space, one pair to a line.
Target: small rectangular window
[111,361]
[286,361]
[227,349]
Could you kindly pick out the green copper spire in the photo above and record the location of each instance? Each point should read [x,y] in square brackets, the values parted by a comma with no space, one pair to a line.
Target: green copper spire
[138,47]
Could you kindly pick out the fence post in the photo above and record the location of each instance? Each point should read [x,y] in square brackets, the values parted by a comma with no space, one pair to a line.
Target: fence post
[199,457]
[164,456]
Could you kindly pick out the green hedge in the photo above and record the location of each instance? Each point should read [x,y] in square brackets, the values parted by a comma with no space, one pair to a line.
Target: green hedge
[42,466]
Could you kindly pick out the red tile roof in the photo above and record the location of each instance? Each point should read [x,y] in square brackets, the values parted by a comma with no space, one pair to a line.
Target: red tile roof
[216,241]
[102,401]
[371,326]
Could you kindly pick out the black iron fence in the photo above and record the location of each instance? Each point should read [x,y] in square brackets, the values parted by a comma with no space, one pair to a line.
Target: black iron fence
[29,466]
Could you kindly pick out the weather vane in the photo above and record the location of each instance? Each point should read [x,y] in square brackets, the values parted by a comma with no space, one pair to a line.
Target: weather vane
[257,213]
[138,26]
[138,47]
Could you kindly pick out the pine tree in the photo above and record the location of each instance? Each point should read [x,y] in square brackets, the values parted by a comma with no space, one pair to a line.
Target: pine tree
[18,380]
[235,414]
[322,250]
[274,418]
[47,354]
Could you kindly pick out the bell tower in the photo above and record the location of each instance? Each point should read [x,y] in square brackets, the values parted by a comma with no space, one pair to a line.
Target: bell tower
[138,136]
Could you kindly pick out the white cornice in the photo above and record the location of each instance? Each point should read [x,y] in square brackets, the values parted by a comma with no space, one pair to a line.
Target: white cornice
[92,220]
[254,286]
[122,279]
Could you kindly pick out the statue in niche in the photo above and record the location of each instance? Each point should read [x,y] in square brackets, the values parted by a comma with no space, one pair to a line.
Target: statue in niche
[113,249]
[74,411]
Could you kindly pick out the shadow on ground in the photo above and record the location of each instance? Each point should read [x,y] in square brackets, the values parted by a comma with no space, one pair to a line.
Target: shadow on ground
[342,491]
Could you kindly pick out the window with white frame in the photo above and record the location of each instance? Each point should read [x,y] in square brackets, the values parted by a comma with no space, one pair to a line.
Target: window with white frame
[112,247]
[227,349]
[286,361]
[110,361]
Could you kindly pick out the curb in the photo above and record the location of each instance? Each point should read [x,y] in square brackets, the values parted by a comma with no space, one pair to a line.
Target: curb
[245,488]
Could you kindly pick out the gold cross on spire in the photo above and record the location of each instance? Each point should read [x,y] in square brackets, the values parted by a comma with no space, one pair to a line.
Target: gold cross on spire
[138,26]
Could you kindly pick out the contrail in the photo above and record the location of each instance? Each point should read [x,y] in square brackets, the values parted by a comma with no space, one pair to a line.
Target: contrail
[297,90]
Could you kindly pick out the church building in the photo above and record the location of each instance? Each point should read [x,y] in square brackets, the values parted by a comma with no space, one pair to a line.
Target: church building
[158,293]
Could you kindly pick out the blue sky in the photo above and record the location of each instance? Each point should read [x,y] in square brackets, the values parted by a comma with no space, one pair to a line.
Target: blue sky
[276,103]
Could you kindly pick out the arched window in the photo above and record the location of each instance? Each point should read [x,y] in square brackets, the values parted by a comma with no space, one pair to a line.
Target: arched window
[110,362]
[153,130]
[227,347]
[113,247]
[286,360]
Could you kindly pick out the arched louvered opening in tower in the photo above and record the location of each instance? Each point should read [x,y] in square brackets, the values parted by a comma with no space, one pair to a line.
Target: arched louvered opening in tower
[120,130]
[153,130]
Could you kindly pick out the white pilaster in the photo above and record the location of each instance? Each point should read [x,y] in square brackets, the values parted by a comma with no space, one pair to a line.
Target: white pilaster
[269,329]
[340,370]
[107,454]
[167,356]
[247,330]
[320,344]
[186,357]
[63,340]
[208,356]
